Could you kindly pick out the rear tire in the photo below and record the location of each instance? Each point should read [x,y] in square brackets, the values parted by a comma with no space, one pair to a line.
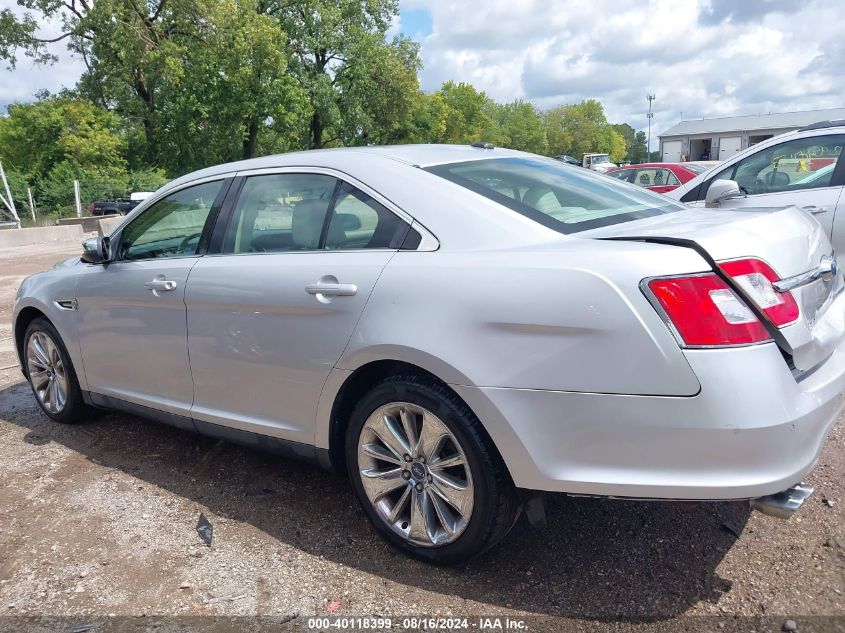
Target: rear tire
[426,475]
[51,374]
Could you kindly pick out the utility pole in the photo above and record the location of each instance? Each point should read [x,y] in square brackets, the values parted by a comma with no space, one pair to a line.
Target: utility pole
[650,116]
[31,203]
[76,197]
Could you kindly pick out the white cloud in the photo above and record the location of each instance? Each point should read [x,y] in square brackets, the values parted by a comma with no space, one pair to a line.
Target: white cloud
[702,58]
[27,78]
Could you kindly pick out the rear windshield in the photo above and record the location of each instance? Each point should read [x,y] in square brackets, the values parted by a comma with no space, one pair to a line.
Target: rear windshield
[562,197]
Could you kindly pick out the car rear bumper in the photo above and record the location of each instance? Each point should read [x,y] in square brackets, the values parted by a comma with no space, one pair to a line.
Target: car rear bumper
[752,430]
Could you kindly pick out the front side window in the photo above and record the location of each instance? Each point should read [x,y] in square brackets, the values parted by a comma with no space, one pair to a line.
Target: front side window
[171,227]
[564,199]
[805,163]
[308,212]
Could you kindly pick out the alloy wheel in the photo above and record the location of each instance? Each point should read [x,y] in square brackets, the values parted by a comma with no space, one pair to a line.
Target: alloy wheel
[47,372]
[415,474]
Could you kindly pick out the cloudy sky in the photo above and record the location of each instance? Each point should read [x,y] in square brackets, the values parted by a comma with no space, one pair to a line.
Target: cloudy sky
[701,58]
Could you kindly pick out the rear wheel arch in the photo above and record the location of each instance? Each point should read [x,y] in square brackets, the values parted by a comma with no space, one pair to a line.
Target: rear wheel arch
[361,382]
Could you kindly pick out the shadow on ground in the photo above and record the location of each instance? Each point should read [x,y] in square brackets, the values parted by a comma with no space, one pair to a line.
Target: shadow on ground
[597,559]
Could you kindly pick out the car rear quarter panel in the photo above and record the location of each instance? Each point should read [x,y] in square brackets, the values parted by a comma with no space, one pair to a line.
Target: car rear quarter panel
[569,318]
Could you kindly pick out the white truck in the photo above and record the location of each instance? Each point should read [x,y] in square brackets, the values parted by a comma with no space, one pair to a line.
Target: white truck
[598,162]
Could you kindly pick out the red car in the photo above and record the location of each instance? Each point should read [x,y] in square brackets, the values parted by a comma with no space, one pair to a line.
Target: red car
[661,177]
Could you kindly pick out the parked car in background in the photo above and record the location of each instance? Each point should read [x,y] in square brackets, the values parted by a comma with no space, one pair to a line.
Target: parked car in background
[356,306]
[108,207]
[564,158]
[804,168]
[597,162]
[659,177]
[121,206]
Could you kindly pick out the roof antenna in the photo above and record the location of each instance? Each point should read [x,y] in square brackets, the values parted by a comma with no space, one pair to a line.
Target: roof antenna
[483,145]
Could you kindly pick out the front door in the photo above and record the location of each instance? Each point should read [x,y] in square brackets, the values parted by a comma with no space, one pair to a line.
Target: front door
[269,316]
[804,172]
[133,334]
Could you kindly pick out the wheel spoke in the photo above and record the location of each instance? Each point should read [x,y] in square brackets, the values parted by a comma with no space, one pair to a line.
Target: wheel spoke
[443,512]
[54,395]
[378,451]
[37,346]
[457,494]
[61,396]
[449,462]
[39,378]
[421,529]
[378,483]
[387,431]
[431,437]
[396,512]
[409,425]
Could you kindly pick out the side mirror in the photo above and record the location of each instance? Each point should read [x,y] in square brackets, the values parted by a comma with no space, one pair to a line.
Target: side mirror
[96,250]
[721,190]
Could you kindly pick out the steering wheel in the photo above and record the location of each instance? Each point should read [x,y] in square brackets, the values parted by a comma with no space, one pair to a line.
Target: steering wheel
[184,243]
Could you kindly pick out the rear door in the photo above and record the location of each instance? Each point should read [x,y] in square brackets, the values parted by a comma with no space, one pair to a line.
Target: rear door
[271,312]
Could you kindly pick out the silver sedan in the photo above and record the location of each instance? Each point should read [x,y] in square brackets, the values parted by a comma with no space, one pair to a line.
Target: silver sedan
[457,326]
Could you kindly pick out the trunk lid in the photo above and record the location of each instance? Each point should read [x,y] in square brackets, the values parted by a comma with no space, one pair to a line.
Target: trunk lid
[789,240]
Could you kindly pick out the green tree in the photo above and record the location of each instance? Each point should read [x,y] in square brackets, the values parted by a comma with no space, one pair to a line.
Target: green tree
[198,78]
[37,136]
[56,140]
[520,127]
[581,128]
[342,62]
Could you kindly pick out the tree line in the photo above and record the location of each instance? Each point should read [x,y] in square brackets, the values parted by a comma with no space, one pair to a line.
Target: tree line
[171,86]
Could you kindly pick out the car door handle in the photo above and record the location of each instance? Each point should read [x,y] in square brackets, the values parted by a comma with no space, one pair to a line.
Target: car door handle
[332,290]
[814,209]
[160,285]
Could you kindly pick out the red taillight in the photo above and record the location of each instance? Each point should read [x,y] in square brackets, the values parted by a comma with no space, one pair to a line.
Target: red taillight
[756,278]
[705,311]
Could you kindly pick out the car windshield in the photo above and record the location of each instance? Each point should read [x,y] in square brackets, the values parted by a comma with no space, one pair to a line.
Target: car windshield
[561,198]
[696,169]
[601,159]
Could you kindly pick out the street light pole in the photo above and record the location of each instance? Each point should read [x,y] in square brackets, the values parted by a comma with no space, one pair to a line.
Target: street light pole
[650,116]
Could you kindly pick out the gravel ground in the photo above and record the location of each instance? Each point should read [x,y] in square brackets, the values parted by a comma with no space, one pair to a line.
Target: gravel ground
[99,519]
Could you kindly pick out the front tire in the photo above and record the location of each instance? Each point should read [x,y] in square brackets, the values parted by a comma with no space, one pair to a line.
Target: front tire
[425,473]
[50,373]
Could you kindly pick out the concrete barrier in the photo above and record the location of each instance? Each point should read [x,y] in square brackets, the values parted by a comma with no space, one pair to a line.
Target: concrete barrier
[88,223]
[106,225]
[48,234]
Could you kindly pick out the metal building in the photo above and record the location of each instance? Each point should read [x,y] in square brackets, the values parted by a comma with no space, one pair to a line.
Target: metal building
[719,139]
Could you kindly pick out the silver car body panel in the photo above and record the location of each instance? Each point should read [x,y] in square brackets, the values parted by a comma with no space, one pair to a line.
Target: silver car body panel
[547,337]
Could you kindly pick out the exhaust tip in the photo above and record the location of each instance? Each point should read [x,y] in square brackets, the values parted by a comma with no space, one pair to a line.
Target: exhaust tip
[783,505]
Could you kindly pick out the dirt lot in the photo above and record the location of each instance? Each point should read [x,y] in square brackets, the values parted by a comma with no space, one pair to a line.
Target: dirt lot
[100,519]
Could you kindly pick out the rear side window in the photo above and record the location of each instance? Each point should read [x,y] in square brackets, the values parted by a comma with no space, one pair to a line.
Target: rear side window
[559,197]
[358,221]
[308,212]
